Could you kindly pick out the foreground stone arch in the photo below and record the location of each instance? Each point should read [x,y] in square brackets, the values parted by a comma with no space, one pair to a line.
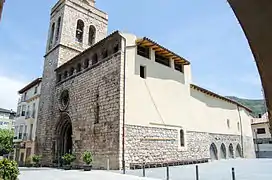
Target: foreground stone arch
[255,18]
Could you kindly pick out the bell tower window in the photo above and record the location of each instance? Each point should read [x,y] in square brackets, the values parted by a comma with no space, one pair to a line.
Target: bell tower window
[91,35]
[52,35]
[80,31]
[58,29]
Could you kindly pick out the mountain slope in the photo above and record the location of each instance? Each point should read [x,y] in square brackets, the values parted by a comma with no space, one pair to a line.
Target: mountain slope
[256,105]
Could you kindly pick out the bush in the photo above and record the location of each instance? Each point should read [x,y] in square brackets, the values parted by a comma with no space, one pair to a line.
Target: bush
[8,169]
[68,158]
[88,157]
[6,141]
[28,162]
[36,159]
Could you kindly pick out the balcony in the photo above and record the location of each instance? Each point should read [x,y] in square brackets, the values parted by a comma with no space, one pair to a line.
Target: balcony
[17,139]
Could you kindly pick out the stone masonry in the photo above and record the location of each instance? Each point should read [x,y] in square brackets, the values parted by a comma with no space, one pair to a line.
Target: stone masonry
[161,145]
[96,84]
[62,50]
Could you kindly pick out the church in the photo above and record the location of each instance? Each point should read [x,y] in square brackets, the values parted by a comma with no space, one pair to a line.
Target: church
[128,99]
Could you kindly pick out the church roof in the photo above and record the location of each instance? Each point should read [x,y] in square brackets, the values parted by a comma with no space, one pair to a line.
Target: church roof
[193,86]
[161,50]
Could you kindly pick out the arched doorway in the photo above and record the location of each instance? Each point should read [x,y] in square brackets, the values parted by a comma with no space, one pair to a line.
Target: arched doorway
[64,132]
[231,154]
[213,152]
[238,151]
[223,154]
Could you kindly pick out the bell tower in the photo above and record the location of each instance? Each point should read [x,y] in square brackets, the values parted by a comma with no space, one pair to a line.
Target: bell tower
[75,25]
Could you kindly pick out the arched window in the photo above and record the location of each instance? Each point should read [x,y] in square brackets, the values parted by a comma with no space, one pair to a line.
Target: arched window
[65,74]
[80,31]
[51,35]
[58,29]
[59,77]
[92,34]
[94,59]
[105,54]
[182,141]
[78,67]
[72,71]
[238,126]
[116,48]
[86,63]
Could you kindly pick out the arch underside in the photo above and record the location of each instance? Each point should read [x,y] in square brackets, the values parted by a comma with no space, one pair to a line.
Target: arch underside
[255,18]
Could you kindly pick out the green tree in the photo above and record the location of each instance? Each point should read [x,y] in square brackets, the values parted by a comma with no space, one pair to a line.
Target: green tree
[6,141]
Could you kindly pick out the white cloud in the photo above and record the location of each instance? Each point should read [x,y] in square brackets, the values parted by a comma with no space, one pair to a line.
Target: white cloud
[8,92]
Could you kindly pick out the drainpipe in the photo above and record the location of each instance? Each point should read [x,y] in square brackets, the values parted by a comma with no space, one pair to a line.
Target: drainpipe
[241,130]
[124,93]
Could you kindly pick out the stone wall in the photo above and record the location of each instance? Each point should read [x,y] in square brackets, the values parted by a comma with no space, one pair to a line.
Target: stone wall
[97,84]
[62,50]
[161,145]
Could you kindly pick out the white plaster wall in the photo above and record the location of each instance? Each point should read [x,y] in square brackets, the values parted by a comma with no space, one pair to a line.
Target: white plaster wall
[165,97]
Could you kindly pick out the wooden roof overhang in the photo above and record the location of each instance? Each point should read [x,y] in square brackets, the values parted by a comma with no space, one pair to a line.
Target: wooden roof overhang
[146,42]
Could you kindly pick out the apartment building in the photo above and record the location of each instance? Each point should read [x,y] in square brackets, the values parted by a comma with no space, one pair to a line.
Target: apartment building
[25,121]
[262,136]
[6,119]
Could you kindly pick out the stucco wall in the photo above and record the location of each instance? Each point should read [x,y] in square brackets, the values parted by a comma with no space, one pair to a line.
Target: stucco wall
[165,97]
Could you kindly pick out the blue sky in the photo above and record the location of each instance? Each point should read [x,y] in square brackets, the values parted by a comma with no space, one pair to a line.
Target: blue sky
[204,32]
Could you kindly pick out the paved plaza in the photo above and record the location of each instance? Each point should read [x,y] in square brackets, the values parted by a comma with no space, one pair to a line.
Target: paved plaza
[252,169]
[246,169]
[55,174]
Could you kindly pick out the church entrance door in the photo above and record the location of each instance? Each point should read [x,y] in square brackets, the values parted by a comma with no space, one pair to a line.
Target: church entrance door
[64,132]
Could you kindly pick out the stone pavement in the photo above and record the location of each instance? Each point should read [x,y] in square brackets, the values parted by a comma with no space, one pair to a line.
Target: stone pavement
[55,174]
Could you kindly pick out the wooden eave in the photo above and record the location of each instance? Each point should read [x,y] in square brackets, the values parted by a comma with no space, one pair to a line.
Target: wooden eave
[162,51]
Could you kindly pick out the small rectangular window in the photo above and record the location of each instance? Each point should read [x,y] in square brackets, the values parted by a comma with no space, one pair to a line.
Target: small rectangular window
[143,72]
[178,66]
[143,51]
[162,60]
[260,130]
[36,90]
